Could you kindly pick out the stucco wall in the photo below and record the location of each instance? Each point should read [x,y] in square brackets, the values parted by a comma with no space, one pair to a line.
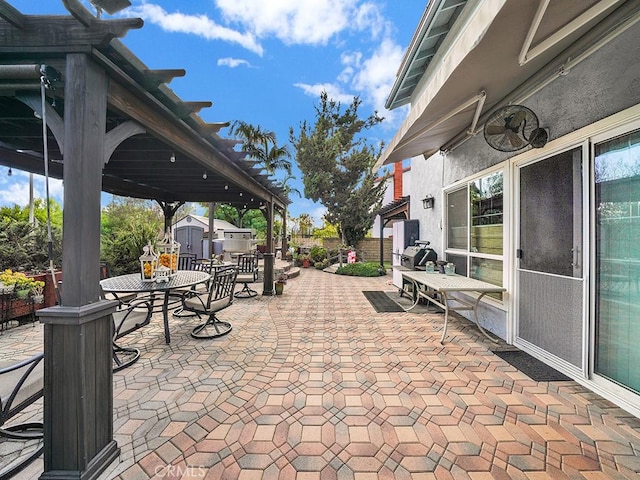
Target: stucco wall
[603,84]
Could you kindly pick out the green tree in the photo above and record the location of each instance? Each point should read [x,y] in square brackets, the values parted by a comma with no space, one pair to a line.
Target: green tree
[127,225]
[261,145]
[24,246]
[336,163]
[305,223]
[288,190]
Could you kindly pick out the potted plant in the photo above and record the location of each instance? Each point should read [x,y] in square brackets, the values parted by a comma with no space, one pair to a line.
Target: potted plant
[23,285]
[7,282]
[281,279]
[37,291]
[305,260]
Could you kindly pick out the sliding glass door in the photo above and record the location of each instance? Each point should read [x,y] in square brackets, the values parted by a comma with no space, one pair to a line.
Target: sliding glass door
[617,268]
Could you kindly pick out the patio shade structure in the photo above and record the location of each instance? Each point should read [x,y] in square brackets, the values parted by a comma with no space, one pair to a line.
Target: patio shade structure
[470,57]
[113,126]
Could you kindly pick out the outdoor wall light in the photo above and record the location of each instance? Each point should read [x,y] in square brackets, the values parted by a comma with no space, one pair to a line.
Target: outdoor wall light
[226,187]
[204,176]
[172,158]
[240,193]
[427,202]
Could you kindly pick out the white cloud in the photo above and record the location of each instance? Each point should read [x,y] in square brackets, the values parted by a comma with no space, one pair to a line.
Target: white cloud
[232,62]
[16,189]
[369,78]
[333,91]
[317,214]
[376,76]
[309,22]
[199,25]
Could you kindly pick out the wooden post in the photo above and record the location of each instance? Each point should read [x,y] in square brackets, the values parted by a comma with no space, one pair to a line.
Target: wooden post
[269,255]
[78,381]
[212,212]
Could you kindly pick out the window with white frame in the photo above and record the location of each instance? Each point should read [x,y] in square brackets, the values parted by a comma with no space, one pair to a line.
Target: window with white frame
[475,233]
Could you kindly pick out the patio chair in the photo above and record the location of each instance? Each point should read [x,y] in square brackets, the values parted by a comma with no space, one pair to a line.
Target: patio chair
[247,273]
[21,384]
[217,298]
[128,318]
[186,261]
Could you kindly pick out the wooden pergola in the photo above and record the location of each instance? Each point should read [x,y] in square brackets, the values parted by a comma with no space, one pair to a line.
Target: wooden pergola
[113,126]
[395,211]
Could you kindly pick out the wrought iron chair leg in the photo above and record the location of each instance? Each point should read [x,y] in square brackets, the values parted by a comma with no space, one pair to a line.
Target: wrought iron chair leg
[246,292]
[180,313]
[124,356]
[23,431]
[221,328]
[21,465]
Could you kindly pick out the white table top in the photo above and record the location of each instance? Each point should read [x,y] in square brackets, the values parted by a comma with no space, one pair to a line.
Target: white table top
[453,283]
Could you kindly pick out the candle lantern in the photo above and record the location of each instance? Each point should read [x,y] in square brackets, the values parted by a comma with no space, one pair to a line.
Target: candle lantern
[148,263]
[168,251]
[162,274]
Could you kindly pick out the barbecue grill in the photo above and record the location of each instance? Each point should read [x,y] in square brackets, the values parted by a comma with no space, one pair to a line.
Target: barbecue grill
[414,257]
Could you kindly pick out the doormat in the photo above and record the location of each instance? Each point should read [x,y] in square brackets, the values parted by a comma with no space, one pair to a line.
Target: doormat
[532,367]
[381,301]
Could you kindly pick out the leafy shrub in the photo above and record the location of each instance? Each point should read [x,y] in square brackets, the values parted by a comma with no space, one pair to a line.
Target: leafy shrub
[369,269]
[322,264]
[123,248]
[24,246]
[317,254]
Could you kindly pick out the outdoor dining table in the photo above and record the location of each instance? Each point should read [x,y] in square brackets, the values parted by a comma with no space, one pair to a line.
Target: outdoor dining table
[430,285]
[133,283]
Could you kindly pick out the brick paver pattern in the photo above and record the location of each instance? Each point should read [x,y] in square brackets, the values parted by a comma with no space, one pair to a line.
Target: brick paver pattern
[314,384]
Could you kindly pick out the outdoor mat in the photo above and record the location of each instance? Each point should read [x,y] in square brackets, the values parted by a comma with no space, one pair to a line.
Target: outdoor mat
[530,366]
[381,301]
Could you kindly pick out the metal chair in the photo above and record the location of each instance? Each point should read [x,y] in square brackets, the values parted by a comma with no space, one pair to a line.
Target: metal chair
[21,384]
[128,318]
[247,273]
[217,298]
[186,261]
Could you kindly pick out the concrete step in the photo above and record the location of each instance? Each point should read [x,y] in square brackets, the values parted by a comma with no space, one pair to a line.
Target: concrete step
[332,268]
[293,272]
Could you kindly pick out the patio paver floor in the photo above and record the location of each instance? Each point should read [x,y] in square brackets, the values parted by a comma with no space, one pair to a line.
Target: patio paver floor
[314,384]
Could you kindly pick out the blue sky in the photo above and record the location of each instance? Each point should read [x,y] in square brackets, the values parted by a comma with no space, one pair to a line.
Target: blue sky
[264,62]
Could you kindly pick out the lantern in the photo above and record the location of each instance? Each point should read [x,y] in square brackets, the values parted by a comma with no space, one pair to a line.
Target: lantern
[168,251]
[148,263]
[162,274]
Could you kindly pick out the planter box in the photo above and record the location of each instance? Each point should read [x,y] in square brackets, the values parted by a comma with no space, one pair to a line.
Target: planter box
[12,307]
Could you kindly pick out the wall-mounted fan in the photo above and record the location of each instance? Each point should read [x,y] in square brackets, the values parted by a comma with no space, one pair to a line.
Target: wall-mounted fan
[512,128]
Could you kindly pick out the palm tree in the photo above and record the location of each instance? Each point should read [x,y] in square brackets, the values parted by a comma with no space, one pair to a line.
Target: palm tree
[306,222]
[287,189]
[262,146]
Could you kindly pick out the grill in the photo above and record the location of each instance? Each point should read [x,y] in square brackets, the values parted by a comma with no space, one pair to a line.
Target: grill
[415,256]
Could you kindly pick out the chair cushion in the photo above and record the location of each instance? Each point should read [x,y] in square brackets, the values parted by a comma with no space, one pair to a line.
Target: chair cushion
[197,304]
[245,278]
[133,321]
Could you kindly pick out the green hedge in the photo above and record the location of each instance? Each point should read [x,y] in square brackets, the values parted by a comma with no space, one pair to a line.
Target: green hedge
[369,269]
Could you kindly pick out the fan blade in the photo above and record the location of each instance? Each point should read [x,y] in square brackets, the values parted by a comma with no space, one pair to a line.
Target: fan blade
[515,120]
[515,140]
[495,129]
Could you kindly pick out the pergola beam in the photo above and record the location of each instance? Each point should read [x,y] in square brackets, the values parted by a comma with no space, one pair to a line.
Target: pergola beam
[154,78]
[11,15]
